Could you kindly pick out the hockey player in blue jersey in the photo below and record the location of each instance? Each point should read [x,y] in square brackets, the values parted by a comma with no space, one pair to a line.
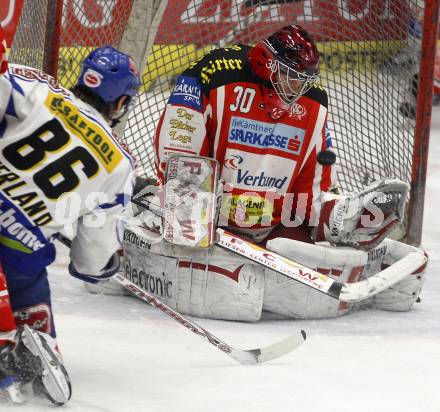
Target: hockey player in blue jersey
[55,143]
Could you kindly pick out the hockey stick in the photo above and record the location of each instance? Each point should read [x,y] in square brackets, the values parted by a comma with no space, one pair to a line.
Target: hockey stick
[345,292]
[244,356]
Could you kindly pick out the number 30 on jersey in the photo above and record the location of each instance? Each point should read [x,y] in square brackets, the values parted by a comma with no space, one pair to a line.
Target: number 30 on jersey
[244,99]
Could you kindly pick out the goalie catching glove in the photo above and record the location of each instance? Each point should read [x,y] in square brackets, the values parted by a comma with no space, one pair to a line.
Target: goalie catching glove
[362,220]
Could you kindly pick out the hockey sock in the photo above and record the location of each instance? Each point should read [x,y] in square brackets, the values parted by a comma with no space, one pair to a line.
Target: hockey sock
[7,322]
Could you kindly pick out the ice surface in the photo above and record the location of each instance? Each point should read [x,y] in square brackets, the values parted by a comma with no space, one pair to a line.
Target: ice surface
[124,356]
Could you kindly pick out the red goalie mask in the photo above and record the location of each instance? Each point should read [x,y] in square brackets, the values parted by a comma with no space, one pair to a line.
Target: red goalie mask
[289,60]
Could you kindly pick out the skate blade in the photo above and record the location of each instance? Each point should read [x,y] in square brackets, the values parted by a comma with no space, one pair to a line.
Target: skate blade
[54,379]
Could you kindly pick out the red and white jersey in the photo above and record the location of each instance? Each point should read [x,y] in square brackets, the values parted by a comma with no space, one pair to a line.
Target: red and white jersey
[269,157]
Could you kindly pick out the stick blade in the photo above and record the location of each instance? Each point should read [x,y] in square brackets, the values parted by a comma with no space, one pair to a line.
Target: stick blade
[355,292]
[274,351]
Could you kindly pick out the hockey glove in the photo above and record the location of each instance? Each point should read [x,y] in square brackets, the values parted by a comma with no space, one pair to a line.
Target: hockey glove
[108,271]
[362,220]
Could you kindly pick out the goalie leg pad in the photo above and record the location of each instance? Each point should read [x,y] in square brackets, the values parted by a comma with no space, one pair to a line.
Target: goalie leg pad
[224,286]
[208,283]
[288,297]
[292,299]
[402,295]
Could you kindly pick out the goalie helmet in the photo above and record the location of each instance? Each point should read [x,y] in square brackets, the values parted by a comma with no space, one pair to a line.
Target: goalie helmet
[288,60]
[110,74]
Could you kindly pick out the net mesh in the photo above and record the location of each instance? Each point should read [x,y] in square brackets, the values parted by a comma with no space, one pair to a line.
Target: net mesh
[356,42]
[367,64]
[82,26]
[29,43]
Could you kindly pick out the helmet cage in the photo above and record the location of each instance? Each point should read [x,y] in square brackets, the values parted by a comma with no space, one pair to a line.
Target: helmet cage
[282,77]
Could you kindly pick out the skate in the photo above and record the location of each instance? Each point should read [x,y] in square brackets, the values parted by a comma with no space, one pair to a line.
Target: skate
[33,366]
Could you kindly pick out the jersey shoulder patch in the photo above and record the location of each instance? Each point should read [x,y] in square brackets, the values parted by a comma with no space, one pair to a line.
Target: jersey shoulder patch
[29,74]
[318,94]
[220,67]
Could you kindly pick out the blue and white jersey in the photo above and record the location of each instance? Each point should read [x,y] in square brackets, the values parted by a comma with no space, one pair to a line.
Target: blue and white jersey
[60,164]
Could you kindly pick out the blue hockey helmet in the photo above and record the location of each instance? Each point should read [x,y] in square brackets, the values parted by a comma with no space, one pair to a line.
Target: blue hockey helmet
[110,74]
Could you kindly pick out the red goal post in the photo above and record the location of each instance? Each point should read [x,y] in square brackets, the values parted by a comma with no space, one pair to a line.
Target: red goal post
[356,39]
